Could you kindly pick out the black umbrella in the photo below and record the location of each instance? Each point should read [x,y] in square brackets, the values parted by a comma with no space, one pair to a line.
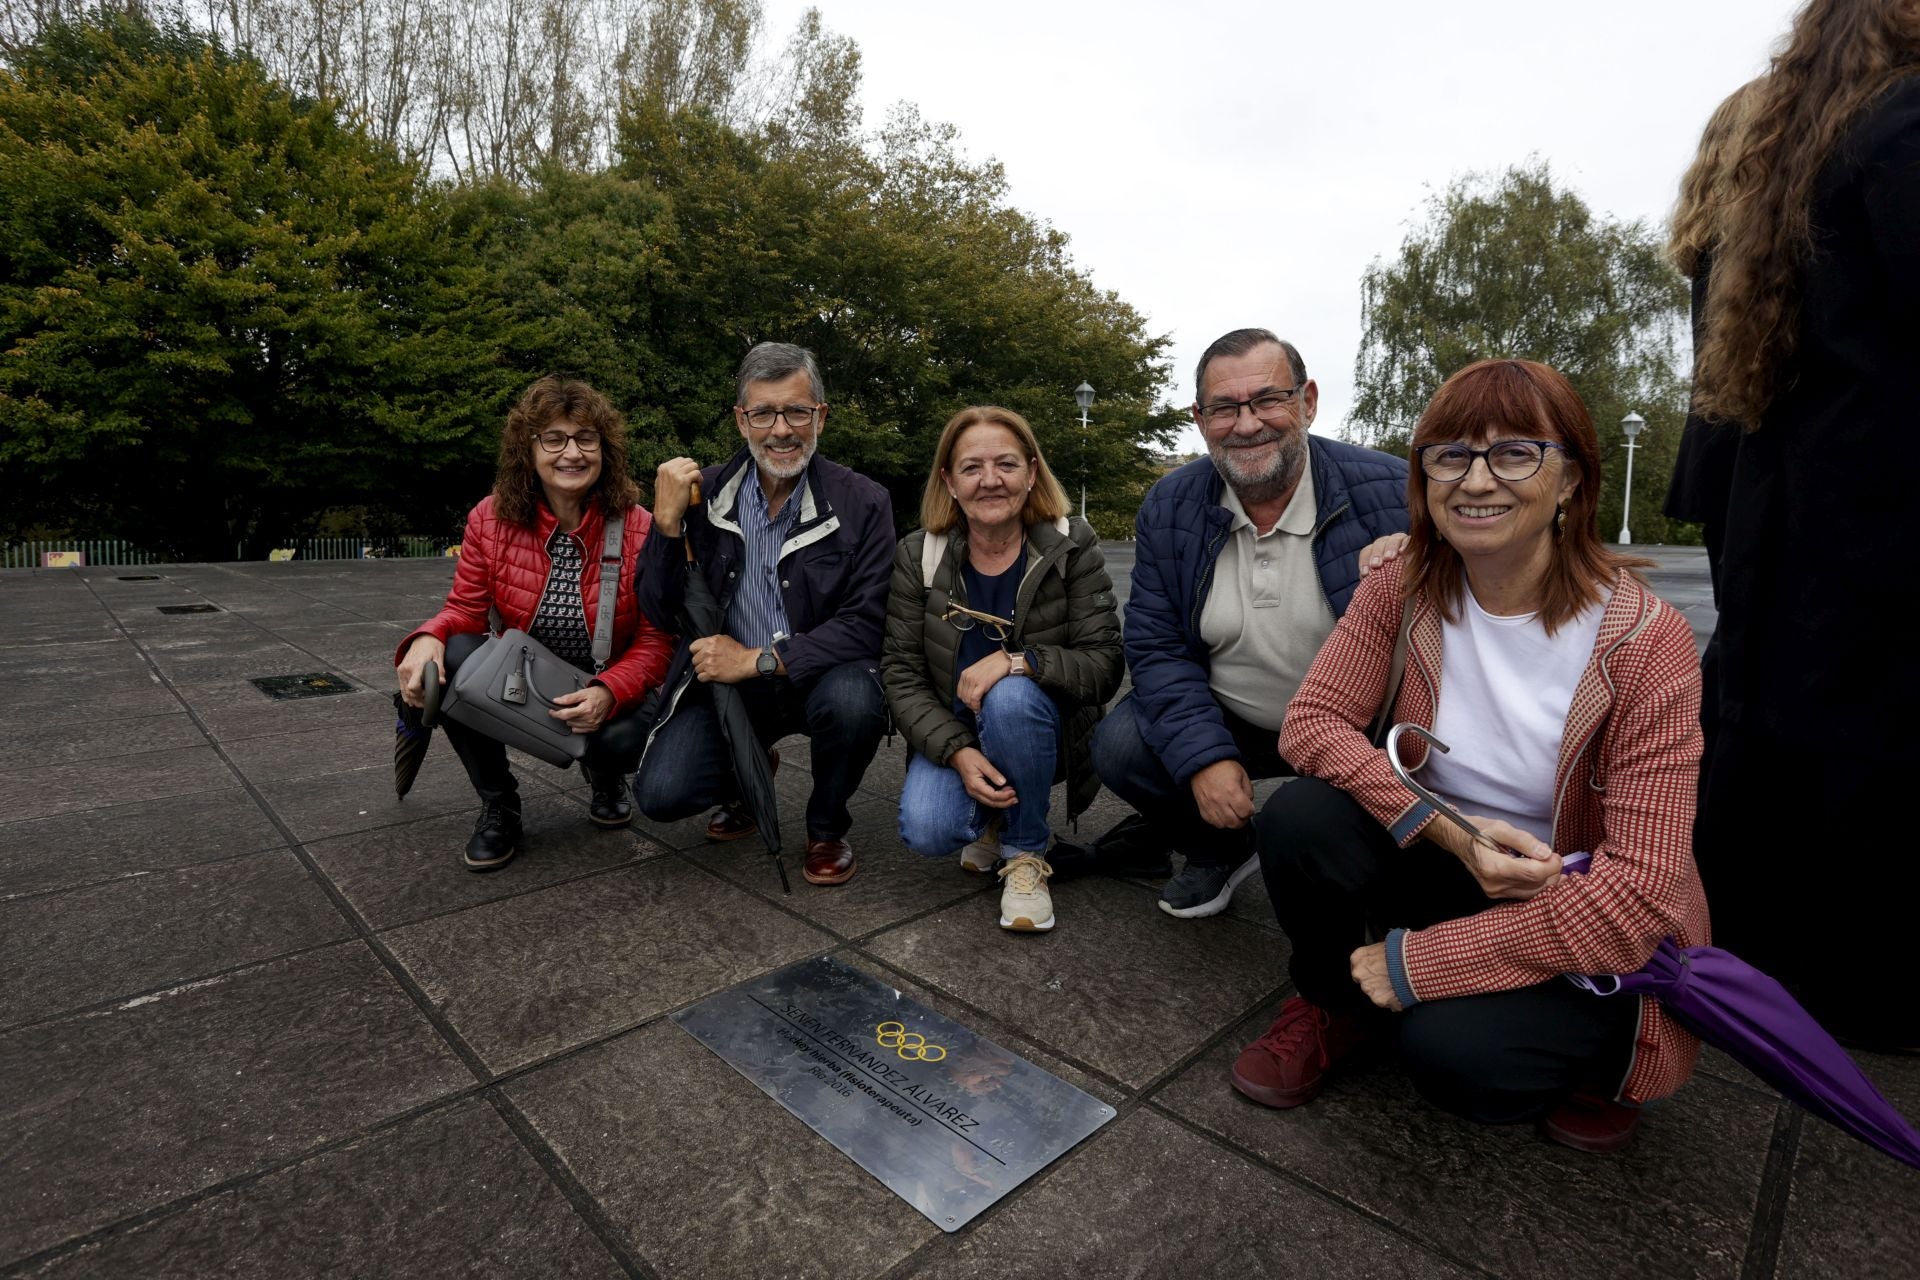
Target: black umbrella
[751,768]
[411,738]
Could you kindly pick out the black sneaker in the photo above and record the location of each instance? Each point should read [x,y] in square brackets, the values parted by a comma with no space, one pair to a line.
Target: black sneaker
[496,836]
[1134,846]
[612,805]
[1204,890]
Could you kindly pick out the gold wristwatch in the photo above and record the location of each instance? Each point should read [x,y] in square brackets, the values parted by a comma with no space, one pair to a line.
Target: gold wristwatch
[1018,659]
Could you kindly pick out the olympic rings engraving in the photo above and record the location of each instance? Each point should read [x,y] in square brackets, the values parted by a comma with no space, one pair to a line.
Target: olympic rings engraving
[910,1045]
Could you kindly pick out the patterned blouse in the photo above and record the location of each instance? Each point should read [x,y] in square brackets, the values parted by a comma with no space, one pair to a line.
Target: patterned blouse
[560,623]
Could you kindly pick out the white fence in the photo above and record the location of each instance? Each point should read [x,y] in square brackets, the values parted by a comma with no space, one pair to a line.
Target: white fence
[113,551]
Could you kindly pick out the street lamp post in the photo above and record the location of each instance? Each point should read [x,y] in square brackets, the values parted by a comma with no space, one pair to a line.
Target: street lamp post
[1633,424]
[1083,396]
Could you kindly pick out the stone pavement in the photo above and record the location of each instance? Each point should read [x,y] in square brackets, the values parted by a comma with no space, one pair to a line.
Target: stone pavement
[255,1019]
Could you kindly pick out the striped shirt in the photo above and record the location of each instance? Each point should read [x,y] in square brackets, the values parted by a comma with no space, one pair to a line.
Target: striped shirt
[758,611]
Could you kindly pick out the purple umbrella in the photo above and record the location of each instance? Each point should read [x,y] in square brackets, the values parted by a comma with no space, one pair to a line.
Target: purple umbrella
[1733,1006]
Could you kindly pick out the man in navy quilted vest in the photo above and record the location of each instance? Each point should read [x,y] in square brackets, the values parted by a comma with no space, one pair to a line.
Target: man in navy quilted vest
[798,550]
[1243,561]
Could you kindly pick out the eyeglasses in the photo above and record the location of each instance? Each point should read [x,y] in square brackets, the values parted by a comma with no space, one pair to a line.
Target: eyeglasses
[556,441]
[1268,406]
[965,619]
[1508,460]
[797,416]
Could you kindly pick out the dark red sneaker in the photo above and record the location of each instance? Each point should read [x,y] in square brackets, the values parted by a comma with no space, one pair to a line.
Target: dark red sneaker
[1287,1066]
[1587,1122]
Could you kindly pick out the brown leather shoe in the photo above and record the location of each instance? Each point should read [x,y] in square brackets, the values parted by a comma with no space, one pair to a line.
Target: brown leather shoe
[732,821]
[829,862]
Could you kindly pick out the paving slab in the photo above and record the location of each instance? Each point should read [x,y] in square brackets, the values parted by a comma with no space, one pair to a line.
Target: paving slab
[527,977]
[365,741]
[892,884]
[401,874]
[90,743]
[451,1194]
[333,804]
[112,1113]
[1852,1211]
[1130,988]
[45,790]
[1679,1201]
[67,950]
[1111,1208]
[703,1174]
[43,854]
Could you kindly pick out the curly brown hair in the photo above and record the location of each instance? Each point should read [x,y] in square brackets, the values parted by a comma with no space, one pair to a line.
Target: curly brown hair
[1522,398]
[517,493]
[1704,188]
[1839,58]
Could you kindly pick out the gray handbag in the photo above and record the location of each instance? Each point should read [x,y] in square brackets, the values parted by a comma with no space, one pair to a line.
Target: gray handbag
[507,689]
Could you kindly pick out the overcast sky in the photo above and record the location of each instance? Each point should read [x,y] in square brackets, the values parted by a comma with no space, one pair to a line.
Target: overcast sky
[1221,164]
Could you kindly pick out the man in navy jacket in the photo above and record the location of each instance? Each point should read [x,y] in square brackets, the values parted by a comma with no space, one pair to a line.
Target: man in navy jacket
[1243,561]
[799,552]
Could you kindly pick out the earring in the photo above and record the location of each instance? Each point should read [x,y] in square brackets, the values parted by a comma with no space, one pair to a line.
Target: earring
[1559,517]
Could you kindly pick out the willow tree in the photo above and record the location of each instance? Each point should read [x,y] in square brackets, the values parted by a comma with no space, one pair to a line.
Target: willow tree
[1514,265]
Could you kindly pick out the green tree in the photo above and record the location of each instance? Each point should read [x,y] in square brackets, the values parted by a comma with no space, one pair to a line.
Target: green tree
[902,264]
[1513,265]
[221,310]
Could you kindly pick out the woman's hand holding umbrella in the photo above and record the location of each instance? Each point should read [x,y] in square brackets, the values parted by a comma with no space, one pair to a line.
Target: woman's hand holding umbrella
[1509,864]
[423,650]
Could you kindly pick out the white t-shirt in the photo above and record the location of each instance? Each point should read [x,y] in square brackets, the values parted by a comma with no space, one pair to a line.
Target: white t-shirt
[1505,688]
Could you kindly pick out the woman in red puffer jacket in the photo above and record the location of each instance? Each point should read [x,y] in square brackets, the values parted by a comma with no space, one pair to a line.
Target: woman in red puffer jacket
[532,553]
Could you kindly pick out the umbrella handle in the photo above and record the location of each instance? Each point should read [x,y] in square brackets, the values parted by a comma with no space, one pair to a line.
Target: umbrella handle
[430,693]
[693,500]
[1440,806]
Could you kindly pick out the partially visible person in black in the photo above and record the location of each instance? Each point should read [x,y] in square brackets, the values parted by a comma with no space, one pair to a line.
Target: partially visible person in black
[1812,342]
[1703,466]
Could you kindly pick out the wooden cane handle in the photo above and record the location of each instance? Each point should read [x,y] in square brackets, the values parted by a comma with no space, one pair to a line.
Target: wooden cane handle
[693,500]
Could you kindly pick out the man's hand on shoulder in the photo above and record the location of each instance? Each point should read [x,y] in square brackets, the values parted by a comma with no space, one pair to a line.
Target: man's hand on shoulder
[1381,552]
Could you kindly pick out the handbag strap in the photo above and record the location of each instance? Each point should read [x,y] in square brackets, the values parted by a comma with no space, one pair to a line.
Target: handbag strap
[611,563]
[1396,675]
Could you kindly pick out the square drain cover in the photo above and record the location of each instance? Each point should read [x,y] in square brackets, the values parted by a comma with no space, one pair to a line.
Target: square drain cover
[188,608]
[316,684]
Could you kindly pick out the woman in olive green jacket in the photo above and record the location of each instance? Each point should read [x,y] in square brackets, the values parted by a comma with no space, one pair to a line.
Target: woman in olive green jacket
[1002,649]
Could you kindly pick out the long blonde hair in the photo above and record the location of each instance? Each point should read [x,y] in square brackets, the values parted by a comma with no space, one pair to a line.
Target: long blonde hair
[1706,185]
[939,511]
[1840,57]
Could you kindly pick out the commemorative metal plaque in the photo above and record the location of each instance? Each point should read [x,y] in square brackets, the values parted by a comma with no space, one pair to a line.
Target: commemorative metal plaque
[949,1121]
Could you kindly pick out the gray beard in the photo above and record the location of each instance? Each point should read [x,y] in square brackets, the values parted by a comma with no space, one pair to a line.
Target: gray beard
[1288,463]
[769,466]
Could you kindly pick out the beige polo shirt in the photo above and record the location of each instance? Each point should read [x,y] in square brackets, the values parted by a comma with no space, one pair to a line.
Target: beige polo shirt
[1265,616]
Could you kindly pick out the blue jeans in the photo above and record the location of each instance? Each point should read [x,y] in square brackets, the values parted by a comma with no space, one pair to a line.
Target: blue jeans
[1020,735]
[687,767]
[1131,770]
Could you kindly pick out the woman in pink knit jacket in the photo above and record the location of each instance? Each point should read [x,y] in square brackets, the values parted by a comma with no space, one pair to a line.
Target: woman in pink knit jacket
[1570,697]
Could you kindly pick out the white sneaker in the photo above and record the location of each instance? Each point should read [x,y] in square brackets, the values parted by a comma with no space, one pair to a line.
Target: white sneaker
[983,854]
[1025,903]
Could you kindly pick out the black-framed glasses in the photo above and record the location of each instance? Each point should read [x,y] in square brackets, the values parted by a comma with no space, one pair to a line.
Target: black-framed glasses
[797,415]
[556,441]
[1512,460]
[965,619]
[1268,406]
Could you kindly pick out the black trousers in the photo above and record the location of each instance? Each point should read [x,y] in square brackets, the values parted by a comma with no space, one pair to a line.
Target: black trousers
[1338,882]
[1131,770]
[612,749]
